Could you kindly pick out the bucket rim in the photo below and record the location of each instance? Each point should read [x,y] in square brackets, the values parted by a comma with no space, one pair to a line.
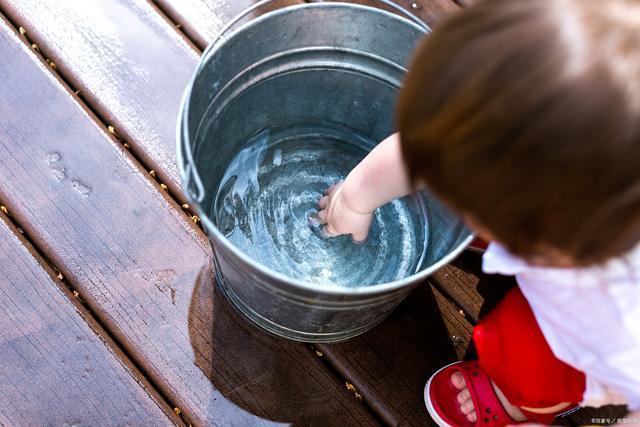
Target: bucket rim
[182,136]
[221,38]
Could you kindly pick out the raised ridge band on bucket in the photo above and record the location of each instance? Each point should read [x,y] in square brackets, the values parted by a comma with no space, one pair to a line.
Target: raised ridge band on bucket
[273,73]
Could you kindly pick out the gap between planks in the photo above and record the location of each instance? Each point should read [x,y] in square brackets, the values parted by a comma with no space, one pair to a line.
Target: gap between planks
[348,383]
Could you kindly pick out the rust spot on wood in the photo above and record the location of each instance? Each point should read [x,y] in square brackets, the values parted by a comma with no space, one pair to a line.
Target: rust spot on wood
[353,390]
[51,64]
[457,340]
[112,130]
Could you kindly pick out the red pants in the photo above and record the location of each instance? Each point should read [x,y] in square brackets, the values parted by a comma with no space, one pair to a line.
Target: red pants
[515,355]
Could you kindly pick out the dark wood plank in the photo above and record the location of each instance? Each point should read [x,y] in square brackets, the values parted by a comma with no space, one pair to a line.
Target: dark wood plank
[202,20]
[129,63]
[141,266]
[460,286]
[430,11]
[474,292]
[590,416]
[57,366]
[390,365]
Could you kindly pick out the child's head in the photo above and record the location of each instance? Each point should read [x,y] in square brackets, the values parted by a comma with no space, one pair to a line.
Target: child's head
[524,115]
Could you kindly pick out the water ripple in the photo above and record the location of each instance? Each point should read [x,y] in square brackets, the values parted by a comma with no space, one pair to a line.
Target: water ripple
[271,188]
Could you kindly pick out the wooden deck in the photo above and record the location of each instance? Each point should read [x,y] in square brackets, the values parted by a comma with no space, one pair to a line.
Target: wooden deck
[109,312]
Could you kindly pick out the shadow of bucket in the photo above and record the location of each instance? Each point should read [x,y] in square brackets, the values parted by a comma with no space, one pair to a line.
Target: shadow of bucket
[273,72]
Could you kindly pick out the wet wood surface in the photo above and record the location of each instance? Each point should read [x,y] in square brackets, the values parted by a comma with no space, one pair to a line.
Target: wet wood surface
[202,20]
[141,266]
[127,60]
[57,366]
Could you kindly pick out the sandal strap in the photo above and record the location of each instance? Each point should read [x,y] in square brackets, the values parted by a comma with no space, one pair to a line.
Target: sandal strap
[488,407]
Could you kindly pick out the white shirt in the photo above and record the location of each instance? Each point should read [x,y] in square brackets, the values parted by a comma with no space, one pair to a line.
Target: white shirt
[589,316]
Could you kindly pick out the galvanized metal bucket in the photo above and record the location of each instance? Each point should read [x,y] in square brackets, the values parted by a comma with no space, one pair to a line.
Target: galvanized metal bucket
[275,71]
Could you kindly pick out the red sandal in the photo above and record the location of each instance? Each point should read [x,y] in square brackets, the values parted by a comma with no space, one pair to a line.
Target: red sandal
[440,397]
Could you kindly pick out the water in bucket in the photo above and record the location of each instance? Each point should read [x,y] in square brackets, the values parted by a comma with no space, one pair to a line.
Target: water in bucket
[268,197]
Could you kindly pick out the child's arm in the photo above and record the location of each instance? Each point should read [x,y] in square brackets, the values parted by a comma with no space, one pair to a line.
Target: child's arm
[379,178]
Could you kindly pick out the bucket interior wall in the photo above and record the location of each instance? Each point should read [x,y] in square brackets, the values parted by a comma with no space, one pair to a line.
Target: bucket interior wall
[331,99]
[336,101]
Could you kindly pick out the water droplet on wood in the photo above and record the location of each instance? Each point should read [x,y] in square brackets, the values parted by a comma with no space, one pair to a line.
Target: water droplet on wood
[52,157]
[80,188]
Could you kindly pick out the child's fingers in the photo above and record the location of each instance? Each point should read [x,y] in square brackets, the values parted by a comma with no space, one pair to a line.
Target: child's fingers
[329,231]
[322,203]
[322,217]
[360,237]
[332,188]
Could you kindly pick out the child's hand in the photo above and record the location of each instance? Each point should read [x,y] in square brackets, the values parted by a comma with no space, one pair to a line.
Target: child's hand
[347,207]
[340,218]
